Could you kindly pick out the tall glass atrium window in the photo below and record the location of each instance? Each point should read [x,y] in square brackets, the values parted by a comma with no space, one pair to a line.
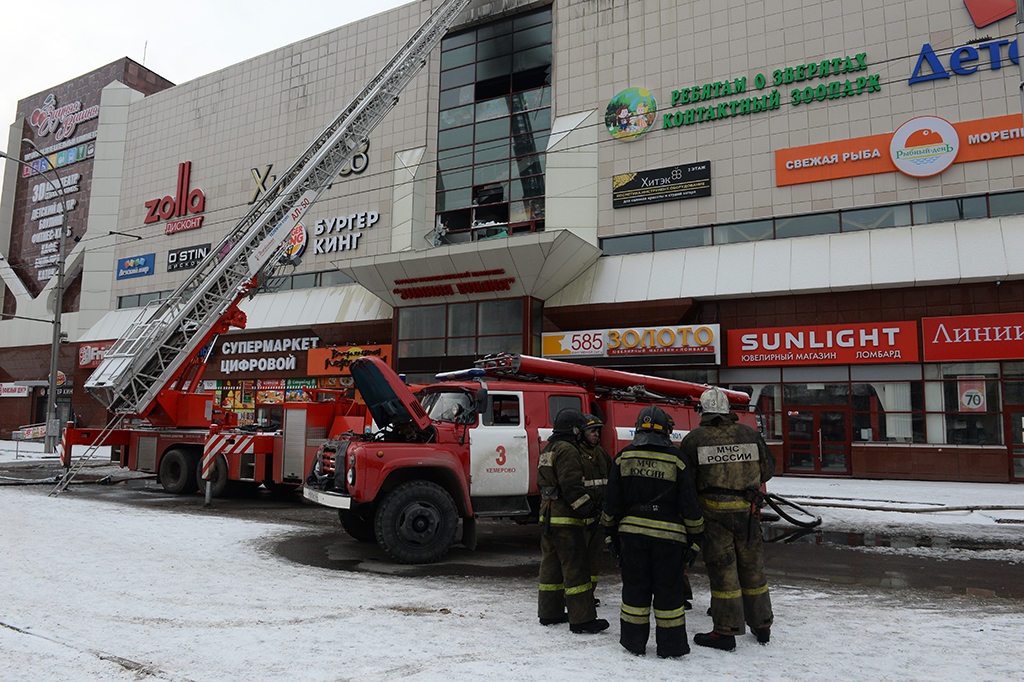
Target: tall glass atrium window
[493,128]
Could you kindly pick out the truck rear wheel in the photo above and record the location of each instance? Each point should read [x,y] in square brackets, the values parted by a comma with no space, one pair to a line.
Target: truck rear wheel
[358,525]
[218,476]
[177,475]
[416,522]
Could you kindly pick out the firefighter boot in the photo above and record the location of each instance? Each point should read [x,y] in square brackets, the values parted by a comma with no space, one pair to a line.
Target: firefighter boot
[590,627]
[564,618]
[764,635]
[715,641]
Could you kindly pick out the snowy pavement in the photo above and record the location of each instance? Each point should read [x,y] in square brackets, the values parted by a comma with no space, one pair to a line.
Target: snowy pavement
[90,592]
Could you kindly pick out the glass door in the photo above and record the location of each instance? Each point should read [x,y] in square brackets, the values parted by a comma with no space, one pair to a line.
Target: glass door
[1015,439]
[818,440]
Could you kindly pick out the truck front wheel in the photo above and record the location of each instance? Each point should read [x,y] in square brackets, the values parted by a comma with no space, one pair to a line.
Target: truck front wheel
[416,522]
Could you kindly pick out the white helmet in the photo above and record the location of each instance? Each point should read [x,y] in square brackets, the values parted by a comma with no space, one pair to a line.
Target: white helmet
[713,401]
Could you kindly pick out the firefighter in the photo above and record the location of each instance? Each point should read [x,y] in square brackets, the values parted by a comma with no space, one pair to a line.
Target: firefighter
[596,463]
[732,464]
[567,508]
[654,528]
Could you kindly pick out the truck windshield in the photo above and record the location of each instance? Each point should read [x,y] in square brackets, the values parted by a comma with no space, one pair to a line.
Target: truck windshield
[448,406]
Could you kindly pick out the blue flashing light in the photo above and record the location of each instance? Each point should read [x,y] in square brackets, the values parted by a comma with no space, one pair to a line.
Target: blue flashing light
[461,375]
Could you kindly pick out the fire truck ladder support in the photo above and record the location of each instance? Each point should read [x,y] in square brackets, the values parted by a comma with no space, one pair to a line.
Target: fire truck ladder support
[150,356]
[73,470]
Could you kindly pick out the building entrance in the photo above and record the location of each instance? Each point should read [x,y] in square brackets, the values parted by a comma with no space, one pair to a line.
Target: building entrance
[1015,440]
[818,440]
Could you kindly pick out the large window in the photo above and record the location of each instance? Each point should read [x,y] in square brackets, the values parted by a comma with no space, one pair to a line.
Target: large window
[493,128]
[476,328]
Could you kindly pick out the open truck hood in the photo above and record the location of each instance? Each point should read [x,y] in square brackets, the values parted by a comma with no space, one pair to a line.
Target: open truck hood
[389,400]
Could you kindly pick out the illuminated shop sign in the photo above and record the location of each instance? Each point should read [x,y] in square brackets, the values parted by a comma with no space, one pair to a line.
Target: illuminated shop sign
[92,354]
[973,337]
[187,257]
[8,390]
[834,344]
[703,103]
[265,355]
[263,178]
[963,60]
[665,184]
[336,360]
[342,233]
[630,114]
[179,206]
[480,282]
[701,341]
[60,120]
[136,266]
[923,146]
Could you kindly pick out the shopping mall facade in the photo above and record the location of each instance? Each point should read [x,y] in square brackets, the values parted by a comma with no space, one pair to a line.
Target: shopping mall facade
[821,206]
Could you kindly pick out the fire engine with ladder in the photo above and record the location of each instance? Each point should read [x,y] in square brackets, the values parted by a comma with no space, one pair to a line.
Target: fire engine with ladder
[469,446]
[150,379]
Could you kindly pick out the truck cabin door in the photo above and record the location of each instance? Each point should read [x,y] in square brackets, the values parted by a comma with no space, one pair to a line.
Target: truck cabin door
[499,453]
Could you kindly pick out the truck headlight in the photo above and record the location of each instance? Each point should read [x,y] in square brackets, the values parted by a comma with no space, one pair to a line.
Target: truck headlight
[350,478]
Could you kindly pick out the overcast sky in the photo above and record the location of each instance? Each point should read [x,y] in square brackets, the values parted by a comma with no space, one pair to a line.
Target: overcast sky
[46,44]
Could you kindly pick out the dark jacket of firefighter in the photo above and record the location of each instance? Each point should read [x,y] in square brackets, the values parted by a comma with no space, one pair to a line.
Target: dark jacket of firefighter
[567,508]
[651,513]
[732,462]
[596,464]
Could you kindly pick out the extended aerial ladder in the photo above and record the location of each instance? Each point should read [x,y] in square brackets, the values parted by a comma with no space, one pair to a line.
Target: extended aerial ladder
[149,372]
[596,379]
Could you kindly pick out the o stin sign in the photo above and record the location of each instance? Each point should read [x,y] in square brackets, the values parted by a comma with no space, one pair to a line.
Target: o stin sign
[179,206]
[823,344]
[973,337]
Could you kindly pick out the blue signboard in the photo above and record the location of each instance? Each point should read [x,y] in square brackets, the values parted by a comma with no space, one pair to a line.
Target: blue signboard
[136,266]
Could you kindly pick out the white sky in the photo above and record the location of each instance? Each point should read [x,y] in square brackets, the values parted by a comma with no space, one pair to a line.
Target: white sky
[45,44]
[199,597]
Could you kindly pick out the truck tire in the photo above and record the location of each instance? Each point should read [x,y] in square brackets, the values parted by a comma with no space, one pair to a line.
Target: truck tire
[358,525]
[416,522]
[177,474]
[218,476]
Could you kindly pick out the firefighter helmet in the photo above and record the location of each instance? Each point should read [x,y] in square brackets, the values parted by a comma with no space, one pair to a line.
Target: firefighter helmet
[592,422]
[653,418]
[569,422]
[713,401]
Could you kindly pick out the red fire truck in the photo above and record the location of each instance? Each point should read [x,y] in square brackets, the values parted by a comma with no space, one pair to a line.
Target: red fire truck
[469,446]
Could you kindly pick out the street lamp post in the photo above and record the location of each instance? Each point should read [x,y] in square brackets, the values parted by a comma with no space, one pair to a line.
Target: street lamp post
[52,425]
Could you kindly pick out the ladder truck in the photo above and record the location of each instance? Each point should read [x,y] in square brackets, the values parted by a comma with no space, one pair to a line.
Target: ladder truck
[468,446]
[152,374]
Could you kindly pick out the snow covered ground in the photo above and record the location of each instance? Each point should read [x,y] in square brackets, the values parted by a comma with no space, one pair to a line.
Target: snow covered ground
[90,592]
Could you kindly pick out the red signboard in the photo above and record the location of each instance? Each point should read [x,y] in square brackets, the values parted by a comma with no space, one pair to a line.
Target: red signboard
[973,337]
[823,344]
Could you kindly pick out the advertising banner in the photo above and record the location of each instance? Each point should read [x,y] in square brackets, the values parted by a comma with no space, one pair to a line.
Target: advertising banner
[826,344]
[698,342]
[136,266]
[971,393]
[973,337]
[13,391]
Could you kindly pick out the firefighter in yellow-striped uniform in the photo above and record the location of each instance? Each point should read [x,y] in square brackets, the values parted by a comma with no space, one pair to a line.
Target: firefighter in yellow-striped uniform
[733,462]
[596,463]
[654,527]
[567,510]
